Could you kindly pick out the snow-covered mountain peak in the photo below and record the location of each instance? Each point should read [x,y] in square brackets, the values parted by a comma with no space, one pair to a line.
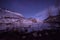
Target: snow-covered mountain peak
[15,20]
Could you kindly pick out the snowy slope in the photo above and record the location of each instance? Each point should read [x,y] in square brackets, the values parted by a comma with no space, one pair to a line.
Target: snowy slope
[9,19]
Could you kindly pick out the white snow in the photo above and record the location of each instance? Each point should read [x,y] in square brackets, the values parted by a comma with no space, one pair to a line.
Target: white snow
[18,14]
[27,22]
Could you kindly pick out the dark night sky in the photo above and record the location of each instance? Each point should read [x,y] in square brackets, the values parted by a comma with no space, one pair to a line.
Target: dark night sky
[28,8]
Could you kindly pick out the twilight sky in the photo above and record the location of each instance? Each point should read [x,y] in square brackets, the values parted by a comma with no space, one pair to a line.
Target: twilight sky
[28,8]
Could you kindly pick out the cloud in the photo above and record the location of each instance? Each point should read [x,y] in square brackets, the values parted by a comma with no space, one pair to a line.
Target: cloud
[44,14]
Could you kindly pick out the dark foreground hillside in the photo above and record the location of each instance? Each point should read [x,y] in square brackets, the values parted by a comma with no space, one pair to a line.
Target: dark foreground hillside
[52,34]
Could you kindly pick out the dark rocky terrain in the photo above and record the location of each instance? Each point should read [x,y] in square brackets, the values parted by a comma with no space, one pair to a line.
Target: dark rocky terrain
[52,34]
